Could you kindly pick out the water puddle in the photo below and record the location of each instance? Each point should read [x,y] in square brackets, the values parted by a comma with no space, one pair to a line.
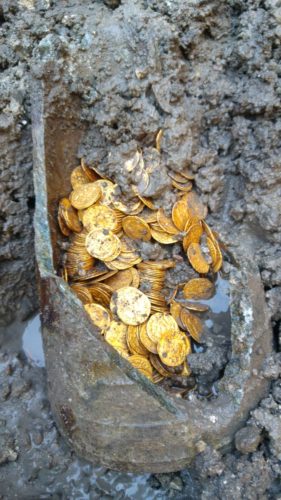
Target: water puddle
[32,342]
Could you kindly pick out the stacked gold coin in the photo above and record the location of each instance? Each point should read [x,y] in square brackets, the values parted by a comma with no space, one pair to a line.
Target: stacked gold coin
[124,295]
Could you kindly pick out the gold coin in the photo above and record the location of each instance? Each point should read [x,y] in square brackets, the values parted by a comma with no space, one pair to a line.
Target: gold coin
[159,139]
[175,310]
[186,371]
[103,244]
[186,186]
[78,178]
[136,228]
[166,223]
[62,225]
[89,173]
[180,214]
[145,340]
[142,364]
[120,279]
[85,195]
[193,235]
[99,217]
[135,277]
[69,215]
[133,341]
[173,348]
[158,365]
[82,293]
[177,176]
[194,205]
[160,323]
[197,259]
[164,238]
[99,315]
[218,263]
[192,324]
[107,188]
[116,335]
[131,305]
[196,306]
[198,289]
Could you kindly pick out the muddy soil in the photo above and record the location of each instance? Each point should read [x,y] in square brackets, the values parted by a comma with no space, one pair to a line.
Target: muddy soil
[208,73]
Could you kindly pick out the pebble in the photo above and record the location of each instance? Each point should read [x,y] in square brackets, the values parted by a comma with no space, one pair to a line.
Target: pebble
[247,439]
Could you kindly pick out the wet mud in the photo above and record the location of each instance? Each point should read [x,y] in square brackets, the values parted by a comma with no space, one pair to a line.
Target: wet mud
[208,73]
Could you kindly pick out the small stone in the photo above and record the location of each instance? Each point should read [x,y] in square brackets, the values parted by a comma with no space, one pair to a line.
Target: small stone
[176,484]
[247,439]
[8,452]
[20,387]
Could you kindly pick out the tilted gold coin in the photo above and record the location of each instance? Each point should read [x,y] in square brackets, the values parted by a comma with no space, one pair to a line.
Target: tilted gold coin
[145,340]
[62,225]
[82,293]
[192,324]
[218,263]
[120,279]
[78,178]
[134,343]
[196,306]
[142,364]
[99,315]
[136,228]
[157,364]
[164,238]
[160,323]
[103,244]
[199,289]
[116,336]
[195,205]
[85,195]
[186,186]
[166,222]
[69,215]
[173,348]
[90,174]
[100,217]
[180,214]
[131,305]
[197,259]
[193,235]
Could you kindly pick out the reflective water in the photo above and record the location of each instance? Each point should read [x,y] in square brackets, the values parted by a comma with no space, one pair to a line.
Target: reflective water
[32,342]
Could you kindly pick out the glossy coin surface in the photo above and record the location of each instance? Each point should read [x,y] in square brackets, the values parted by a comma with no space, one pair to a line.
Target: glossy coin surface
[103,244]
[199,289]
[116,335]
[142,364]
[85,195]
[131,305]
[99,315]
[197,259]
[99,217]
[136,228]
[160,323]
[173,348]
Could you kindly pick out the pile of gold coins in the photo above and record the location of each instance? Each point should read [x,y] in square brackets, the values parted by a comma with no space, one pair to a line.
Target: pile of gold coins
[123,294]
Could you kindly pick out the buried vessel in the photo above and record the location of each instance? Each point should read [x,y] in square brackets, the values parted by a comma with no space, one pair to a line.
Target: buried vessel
[108,412]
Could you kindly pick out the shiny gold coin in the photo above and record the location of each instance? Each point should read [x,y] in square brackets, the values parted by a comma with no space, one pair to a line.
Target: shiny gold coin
[89,173]
[120,264]
[107,189]
[212,250]
[195,206]
[158,365]
[197,259]
[177,176]
[136,228]
[192,220]
[199,289]
[133,341]
[192,324]
[99,315]
[157,264]
[78,178]
[164,238]
[62,225]
[142,364]
[186,371]
[218,264]
[69,215]
[166,222]
[85,195]
[116,336]
[160,323]
[131,305]
[120,279]
[180,214]
[159,139]
[82,293]
[156,377]
[186,186]
[145,340]
[173,348]
[196,306]
[175,310]
[99,217]
[135,277]
[193,235]
[103,244]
